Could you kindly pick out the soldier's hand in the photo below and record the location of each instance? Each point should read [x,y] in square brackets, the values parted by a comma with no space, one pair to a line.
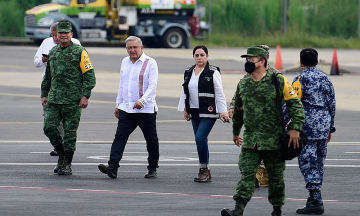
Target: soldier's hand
[117,113]
[43,101]
[186,115]
[138,105]
[84,102]
[294,138]
[329,138]
[44,59]
[231,113]
[238,140]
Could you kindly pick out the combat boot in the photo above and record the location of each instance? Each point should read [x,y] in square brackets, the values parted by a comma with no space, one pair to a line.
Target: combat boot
[238,211]
[61,152]
[277,211]
[314,204]
[264,180]
[66,167]
[204,175]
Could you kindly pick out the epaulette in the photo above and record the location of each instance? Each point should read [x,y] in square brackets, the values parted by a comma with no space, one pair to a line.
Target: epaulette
[214,68]
[188,68]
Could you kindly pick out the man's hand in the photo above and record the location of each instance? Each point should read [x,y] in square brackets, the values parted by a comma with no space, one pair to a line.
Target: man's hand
[138,105]
[238,140]
[231,113]
[44,59]
[43,101]
[225,117]
[186,115]
[84,102]
[329,138]
[117,113]
[294,138]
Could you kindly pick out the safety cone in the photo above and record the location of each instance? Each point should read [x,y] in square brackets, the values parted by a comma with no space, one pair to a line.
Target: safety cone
[335,65]
[278,61]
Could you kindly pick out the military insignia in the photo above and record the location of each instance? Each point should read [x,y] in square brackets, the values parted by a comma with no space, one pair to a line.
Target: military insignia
[208,78]
[292,93]
[88,66]
[210,108]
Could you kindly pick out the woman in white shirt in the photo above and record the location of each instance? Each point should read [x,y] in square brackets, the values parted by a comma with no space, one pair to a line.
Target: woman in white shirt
[203,101]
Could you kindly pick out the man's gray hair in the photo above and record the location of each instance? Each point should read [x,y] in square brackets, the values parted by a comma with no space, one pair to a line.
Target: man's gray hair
[53,27]
[133,38]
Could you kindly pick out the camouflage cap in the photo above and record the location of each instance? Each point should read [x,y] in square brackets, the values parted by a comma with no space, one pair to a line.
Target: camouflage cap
[64,27]
[255,51]
[265,47]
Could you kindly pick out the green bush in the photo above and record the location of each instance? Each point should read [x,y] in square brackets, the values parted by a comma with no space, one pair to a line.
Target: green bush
[322,18]
[12,16]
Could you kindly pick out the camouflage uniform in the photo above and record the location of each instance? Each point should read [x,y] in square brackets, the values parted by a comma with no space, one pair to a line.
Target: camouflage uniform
[261,174]
[255,108]
[69,76]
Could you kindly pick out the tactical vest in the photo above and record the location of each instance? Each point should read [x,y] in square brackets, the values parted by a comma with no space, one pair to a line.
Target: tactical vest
[206,90]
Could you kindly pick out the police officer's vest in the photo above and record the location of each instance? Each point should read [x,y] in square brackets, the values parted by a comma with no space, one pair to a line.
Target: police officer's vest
[207,105]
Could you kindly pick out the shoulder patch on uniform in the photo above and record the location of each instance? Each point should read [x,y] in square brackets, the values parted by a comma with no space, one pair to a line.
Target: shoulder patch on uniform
[85,63]
[288,91]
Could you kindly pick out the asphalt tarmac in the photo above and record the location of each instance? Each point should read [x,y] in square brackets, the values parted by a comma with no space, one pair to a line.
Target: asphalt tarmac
[29,187]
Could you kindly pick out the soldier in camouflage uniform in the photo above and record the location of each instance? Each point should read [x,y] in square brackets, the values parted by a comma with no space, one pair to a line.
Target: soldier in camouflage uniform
[262,177]
[65,89]
[256,109]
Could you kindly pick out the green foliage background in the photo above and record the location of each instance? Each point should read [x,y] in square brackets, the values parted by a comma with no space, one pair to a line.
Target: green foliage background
[12,14]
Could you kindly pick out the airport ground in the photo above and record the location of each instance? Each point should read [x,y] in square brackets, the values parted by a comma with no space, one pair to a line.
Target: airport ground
[28,185]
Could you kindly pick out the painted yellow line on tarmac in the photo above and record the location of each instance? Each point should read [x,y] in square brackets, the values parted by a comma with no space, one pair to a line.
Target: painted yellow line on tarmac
[15,66]
[94,101]
[20,95]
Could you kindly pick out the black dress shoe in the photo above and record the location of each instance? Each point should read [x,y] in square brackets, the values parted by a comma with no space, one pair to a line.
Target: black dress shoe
[151,174]
[111,172]
[54,153]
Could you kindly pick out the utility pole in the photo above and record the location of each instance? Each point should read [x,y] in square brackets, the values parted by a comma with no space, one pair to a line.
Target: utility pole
[285,16]
[210,6]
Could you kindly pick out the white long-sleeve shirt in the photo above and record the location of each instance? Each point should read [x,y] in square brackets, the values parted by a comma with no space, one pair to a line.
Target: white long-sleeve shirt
[220,99]
[45,48]
[129,86]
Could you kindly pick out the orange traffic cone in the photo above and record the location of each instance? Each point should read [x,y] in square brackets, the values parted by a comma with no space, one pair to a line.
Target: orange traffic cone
[278,61]
[335,65]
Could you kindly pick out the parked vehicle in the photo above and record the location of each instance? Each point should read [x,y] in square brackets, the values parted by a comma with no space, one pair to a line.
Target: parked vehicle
[159,23]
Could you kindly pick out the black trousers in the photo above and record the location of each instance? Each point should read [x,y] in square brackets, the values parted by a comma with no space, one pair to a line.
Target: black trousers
[126,125]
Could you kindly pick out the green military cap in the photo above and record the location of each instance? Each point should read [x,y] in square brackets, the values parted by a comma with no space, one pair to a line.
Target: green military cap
[64,27]
[265,47]
[255,51]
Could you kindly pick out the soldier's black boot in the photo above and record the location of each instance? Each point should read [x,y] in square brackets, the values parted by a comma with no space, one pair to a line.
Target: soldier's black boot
[277,211]
[314,204]
[60,150]
[66,167]
[238,211]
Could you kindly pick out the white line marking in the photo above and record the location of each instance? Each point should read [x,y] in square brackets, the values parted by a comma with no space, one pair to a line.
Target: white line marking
[212,152]
[160,164]
[352,152]
[39,152]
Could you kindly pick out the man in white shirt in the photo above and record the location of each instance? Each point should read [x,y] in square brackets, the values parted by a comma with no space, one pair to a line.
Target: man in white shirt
[135,106]
[40,59]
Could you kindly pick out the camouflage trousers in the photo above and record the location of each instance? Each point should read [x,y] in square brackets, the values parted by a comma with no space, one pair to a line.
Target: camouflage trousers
[70,115]
[249,160]
[311,163]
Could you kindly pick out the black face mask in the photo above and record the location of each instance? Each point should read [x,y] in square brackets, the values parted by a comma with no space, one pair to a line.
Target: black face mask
[249,67]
